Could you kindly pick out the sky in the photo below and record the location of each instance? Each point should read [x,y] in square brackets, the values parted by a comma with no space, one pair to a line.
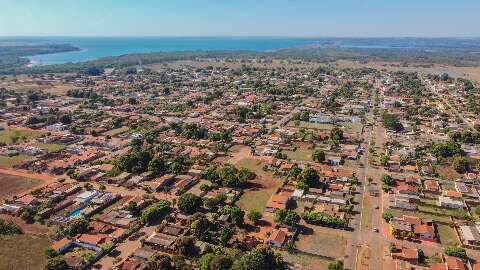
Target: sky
[286,18]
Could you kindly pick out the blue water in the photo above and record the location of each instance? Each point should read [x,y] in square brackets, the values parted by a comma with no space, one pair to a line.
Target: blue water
[97,47]
[75,213]
[94,48]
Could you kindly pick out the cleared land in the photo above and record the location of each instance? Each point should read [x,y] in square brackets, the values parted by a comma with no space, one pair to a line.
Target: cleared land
[22,252]
[447,235]
[9,162]
[8,136]
[12,184]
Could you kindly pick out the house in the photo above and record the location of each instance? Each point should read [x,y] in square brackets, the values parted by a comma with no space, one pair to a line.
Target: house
[161,241]
[405,254]
[470,235]
[431,186]
[277,238]
[449,202]
[413,227]
[451,263]
[278,200]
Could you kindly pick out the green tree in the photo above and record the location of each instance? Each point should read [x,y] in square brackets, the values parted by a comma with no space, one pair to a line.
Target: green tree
[56,263]
[158,166]
[78,226]
[308,177]
[287,217]
[335,265]
[186,246]
[254,216]
[159,262]
[318,155]
[189,203]
[461,164]
[456,252]
[336,134]
[261,258]
[387,216]
[156,212]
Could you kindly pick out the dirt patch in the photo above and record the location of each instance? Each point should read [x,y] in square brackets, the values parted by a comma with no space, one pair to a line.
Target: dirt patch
[12,184]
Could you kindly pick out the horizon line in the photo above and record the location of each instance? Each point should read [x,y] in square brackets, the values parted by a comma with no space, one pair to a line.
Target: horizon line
[238,36]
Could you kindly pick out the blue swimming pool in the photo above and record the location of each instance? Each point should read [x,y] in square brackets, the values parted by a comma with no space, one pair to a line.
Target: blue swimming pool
[75,213]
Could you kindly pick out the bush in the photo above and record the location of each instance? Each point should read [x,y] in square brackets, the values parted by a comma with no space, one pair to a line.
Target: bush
[456,252]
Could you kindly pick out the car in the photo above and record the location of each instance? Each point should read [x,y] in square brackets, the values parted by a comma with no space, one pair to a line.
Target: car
[375,229]
[377,207]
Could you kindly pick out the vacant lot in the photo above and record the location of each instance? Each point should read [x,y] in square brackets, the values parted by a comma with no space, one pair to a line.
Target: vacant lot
[9,162]
[22,252]
[264,185]
[50,148]
[116,131]
[323,242]
[302,153]
[447,235]
[18,135]
[10,184]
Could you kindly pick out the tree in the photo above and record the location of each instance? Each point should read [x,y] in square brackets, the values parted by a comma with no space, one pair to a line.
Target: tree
[78,226]
[387,216]
[318,155]
[156,212]
[244,175]
[50,253]
[308,177]
[384,160]
[287,217]
[158,166]
[28,215]
[390,121]
[93,71]
[211,261]
[254,216]
[236,214]
[159,262]
[387,180]
[211,174]
[226,234]
[189,203]
[336,134]
[186,246]
[200,228]
[461,164]
[56,263]
[7,228]
[261,258]
[335,265]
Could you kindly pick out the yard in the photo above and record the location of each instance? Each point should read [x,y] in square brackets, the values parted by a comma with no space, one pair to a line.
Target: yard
[10,184]
[447,235]
[22,252]
[8,136]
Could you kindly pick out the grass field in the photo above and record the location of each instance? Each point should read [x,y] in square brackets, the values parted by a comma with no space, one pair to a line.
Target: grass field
[7,135]
[9,162]
[50,148]
[313,262]
[447,235]
[10,184]
[309,125]
[399,213]
[302,153]
[257,198]
[116,131]
[22,252]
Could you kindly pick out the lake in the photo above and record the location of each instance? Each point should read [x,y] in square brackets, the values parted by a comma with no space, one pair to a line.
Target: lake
[97,47]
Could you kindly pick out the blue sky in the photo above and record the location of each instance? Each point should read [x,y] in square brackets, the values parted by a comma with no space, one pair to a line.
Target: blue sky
[306,18]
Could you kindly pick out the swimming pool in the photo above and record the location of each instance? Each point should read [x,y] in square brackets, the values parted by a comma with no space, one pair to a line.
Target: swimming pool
[75,213]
